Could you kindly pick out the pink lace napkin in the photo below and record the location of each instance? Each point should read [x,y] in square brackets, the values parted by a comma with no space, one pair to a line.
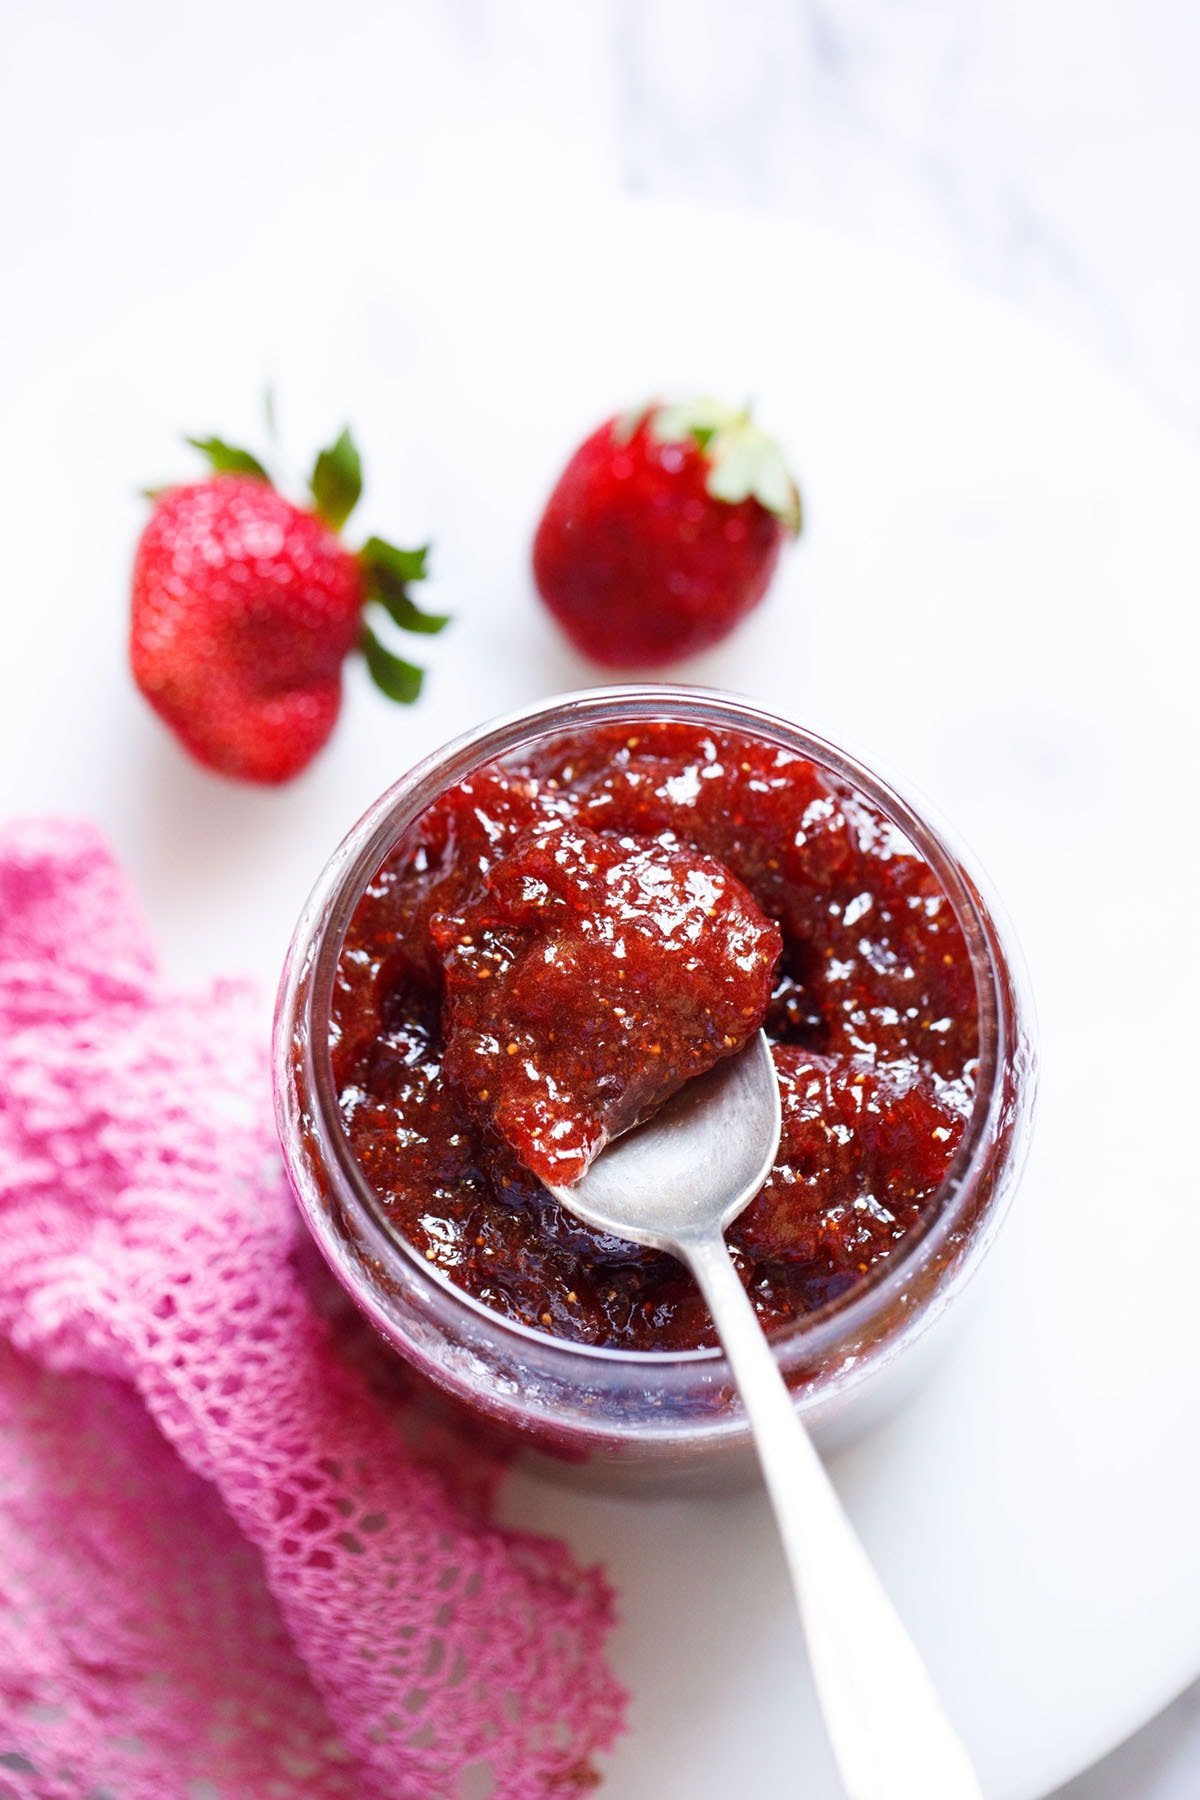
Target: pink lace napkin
[227,1572]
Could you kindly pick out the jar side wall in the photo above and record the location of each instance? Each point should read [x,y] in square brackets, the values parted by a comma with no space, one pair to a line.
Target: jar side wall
[566,1396]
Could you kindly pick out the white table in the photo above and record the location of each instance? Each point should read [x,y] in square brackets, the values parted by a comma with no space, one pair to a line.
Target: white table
[1051,154]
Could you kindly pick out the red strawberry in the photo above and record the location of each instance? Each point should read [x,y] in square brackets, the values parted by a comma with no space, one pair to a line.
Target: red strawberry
[663,532]
[245,608]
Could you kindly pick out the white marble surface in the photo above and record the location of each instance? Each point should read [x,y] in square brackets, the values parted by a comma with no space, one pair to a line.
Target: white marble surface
[1047,149]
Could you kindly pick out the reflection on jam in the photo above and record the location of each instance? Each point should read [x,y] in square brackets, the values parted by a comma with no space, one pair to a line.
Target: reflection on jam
[711,859]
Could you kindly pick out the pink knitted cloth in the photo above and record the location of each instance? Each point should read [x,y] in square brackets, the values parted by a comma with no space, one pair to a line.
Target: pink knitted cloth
[227,1569]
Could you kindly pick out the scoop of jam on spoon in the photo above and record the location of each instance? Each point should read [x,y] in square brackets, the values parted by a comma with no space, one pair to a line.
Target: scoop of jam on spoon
[675,1183]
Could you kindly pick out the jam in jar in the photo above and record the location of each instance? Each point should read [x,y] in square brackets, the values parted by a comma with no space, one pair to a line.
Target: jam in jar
[548,927]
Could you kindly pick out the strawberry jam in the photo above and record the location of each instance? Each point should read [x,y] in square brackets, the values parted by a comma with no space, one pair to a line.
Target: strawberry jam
[674,958]
[569,934]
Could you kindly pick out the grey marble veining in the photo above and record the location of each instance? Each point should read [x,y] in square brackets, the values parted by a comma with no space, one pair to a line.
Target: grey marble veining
[1050,152]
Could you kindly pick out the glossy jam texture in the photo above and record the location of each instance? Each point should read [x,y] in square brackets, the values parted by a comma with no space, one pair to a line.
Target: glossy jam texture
[752,853]
[587,979]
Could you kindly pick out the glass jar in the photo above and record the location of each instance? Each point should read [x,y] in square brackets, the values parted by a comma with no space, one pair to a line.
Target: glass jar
[667,1413]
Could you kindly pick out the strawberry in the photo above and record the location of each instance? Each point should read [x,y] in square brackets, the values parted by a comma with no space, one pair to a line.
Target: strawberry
[245,607]
[663,532]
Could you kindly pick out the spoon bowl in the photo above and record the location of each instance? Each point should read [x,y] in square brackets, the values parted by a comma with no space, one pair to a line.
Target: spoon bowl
[726,1123]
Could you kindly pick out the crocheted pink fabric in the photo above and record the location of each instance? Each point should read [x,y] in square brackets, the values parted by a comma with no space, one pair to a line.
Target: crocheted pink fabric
[226,1570]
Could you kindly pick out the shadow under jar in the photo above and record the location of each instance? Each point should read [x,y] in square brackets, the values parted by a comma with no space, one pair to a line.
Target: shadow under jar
[895,983]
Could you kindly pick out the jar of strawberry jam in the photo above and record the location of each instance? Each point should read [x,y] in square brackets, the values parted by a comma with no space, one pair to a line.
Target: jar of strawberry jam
[493,952]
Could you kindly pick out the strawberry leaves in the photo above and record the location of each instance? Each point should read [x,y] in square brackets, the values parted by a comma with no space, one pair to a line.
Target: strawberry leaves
[701,419]
[387,565]
[398,679]
[227,459]
[336,483]
[744,463]
[387,573]
[335,488]
[405,612]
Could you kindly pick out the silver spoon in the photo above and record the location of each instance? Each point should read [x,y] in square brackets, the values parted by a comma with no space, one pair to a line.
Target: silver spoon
[674,1184]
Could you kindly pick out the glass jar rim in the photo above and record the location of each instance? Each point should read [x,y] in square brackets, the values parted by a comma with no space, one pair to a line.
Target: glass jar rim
[318,942]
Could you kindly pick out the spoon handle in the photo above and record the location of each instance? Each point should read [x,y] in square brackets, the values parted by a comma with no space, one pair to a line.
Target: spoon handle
[890,1738]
